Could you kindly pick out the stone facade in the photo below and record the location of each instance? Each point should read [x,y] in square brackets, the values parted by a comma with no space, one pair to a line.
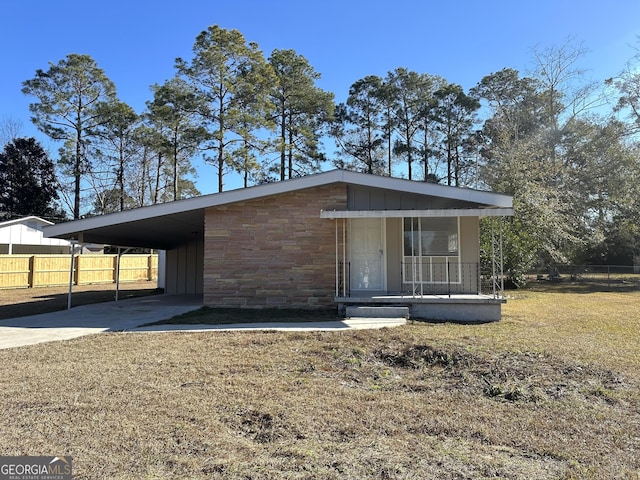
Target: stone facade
[274,251]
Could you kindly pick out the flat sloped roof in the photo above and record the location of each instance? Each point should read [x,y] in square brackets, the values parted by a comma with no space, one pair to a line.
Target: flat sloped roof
[167,225]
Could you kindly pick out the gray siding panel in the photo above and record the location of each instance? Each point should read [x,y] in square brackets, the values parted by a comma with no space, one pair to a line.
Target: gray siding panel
[394,254]
[185,267]
[365,198]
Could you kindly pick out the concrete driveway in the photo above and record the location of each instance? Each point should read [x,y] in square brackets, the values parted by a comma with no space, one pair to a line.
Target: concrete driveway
[129,314]
[88,319]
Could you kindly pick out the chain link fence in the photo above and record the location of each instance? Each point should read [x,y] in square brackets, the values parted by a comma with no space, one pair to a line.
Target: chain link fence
[596,277]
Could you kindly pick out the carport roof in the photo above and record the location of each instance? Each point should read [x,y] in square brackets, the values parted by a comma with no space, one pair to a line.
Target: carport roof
[167,225]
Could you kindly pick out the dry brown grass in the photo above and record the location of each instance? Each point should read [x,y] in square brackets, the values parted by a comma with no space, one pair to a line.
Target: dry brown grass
[552,392]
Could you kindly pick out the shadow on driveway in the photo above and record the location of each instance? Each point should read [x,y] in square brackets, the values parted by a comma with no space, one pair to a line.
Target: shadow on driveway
[24,302]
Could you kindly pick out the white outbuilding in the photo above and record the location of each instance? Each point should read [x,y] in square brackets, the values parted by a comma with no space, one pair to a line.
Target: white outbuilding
[24,236]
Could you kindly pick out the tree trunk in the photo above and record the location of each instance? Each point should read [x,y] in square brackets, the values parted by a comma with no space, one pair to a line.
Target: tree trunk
[426,153]
[409,156]
[221,125]
[220,169]
[77,176]
[175,165]
[121,175]
[290,149]
[456,172]
[449,164]
[143,176]
[156,192]
[283,142]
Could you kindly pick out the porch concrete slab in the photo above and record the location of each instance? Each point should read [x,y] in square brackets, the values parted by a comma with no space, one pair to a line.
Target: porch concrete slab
[354,311]
[465,308]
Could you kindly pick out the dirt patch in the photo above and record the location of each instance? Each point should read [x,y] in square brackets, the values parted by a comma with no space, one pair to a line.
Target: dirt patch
[511,376]
[21,302]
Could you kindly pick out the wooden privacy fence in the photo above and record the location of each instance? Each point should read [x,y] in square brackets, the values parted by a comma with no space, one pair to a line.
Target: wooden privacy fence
[24,271]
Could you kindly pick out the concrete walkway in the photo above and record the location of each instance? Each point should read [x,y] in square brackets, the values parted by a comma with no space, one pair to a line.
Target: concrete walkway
[346,324]
[129,314]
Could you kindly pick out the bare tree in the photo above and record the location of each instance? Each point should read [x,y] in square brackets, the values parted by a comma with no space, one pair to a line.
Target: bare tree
[10,128]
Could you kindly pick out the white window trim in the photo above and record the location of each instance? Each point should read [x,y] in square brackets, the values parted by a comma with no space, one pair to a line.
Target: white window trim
[419,264]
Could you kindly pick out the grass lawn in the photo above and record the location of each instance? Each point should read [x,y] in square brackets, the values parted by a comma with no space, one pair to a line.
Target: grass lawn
[550,392]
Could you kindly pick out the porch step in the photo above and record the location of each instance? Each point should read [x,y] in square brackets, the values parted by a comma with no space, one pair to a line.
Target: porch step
[353,311]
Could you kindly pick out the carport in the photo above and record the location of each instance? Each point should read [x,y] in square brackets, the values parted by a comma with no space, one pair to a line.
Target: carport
[176,227]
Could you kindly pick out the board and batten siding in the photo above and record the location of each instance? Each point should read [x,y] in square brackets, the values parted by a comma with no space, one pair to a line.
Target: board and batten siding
[367,198]
[184,268]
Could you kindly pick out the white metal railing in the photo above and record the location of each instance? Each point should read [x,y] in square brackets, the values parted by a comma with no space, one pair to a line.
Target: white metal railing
[426,274]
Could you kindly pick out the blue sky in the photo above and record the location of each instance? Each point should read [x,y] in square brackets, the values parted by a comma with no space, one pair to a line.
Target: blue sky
[137,41]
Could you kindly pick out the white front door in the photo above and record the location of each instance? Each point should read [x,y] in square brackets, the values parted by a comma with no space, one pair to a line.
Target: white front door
[366,254]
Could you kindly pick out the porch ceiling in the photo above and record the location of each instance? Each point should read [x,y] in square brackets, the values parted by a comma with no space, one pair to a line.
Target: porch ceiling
[162,232]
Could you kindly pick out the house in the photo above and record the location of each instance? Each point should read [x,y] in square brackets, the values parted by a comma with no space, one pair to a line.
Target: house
[337,238]
[24,236]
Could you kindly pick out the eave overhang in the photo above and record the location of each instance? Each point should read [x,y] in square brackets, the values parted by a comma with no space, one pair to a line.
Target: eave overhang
[444,212]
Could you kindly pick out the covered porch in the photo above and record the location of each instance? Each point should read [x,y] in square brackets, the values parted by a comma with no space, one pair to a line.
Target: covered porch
[423,264]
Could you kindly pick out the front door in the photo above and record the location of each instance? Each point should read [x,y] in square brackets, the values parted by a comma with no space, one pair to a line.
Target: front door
[366,254]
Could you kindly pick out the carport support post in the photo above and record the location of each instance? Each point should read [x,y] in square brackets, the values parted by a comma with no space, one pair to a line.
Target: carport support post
[73,254]
[118,274]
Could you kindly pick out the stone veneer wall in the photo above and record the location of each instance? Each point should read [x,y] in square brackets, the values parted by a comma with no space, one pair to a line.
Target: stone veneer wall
[274,251]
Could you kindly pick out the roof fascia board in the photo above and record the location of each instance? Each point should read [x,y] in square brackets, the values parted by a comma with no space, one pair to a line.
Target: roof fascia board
[24,219]
[276,188]
[443,212]
[190,204]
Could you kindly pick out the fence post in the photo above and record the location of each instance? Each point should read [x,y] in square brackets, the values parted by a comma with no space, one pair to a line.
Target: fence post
[32,265]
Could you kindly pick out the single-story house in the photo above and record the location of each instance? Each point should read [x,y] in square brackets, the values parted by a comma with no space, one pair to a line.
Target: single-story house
[337,238]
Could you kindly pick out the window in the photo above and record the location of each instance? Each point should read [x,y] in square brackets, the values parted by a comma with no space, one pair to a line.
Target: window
[430,237]
[431,252]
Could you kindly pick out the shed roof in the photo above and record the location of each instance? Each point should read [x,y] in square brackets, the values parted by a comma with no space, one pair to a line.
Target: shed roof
[28,231]
[25,220]
[167,225]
